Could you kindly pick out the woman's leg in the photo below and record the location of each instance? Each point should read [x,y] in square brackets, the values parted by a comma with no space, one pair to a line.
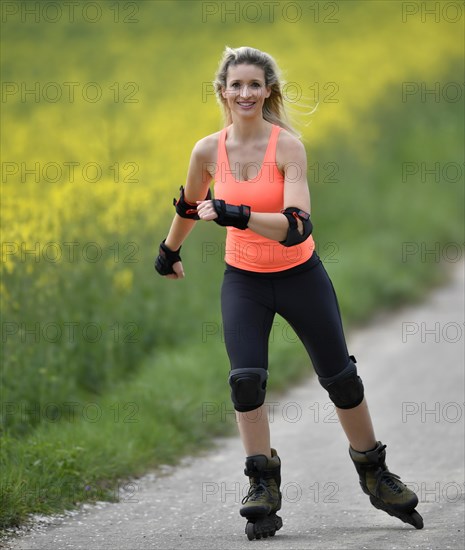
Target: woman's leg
[254,430]
[308,302]
[358,427]
[246,305]
[317,322]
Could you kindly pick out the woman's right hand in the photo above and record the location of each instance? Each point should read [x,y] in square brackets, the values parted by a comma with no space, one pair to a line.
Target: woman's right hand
[178,272]
[168,262]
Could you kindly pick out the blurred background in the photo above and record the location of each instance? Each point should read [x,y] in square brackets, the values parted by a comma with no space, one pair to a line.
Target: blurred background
[108,369]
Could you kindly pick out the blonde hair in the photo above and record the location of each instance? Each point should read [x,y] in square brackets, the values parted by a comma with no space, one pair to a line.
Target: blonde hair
[273,108]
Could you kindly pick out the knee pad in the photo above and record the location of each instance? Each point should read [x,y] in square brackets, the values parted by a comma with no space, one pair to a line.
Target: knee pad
[345,389]
[248,388]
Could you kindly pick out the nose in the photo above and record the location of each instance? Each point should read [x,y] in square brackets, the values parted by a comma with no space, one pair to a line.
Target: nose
[245,91]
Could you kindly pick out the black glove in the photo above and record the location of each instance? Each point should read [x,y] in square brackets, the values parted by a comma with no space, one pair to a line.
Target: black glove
[230,214]
[166,258]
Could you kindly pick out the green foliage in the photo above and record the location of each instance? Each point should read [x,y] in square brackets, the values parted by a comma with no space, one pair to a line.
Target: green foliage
[177,401]
[160,341]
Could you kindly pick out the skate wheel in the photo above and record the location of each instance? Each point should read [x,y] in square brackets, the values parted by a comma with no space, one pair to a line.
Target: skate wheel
[412,518]
[278,523]
[264,527]
[250,530]
[417,520]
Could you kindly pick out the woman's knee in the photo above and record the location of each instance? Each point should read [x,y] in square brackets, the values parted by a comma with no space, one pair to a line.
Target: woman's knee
[345,389]
[248,388]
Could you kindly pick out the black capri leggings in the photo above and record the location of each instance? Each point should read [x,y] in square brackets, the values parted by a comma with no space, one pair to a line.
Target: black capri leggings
[303,295]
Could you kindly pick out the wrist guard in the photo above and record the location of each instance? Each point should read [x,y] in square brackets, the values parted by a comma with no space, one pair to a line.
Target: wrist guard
[293,234]
[166,258]
[230,214]
[187,209]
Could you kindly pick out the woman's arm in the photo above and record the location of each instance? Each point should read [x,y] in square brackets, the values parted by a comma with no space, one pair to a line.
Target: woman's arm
[198,180]
[296,193]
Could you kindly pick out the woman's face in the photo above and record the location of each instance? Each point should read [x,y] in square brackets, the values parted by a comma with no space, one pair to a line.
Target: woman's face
[245,91]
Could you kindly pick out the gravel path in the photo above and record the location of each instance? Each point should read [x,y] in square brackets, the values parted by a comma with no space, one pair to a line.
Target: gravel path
[414,382]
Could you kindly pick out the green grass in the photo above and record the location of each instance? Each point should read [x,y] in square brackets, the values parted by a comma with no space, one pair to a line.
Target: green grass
[172,378]
[177,398]
[174,405]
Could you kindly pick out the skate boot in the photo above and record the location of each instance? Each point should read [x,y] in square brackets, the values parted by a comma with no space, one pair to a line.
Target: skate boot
[264,497]
[384,488]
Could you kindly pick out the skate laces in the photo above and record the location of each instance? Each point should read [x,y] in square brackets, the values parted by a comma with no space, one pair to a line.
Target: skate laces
[387,478]
[256,491]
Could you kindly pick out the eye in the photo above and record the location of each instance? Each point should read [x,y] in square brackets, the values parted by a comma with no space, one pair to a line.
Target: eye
[256,85]
[234,84]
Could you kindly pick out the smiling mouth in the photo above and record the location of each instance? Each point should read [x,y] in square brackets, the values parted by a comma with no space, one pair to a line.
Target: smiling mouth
[245,105]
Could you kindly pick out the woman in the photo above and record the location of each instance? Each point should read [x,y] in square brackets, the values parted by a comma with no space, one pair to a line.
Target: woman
[262,197]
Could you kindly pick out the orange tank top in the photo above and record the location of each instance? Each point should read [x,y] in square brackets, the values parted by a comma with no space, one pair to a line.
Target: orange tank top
[246,249]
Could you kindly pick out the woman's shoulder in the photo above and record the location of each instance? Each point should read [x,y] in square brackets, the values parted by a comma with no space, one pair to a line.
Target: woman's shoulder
[286,139]
[288,147]
[206,148]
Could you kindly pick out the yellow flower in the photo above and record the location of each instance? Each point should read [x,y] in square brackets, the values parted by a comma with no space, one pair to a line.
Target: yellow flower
[122,280]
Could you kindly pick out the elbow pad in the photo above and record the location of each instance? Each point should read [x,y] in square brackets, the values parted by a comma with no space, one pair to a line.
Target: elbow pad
[187,209]
[293,234]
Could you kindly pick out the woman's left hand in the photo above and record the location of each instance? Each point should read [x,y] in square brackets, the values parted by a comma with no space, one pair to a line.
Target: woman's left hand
[206,211]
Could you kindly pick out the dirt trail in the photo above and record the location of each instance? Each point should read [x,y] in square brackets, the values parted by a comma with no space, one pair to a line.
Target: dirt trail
[414,382]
